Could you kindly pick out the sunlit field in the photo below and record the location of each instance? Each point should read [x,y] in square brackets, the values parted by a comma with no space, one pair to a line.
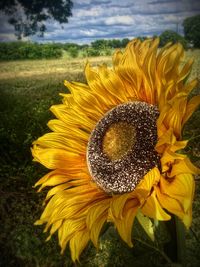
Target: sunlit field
[27,90]
[44,69]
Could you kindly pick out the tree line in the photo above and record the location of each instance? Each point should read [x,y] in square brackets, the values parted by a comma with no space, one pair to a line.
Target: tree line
[102,47]
[28,50]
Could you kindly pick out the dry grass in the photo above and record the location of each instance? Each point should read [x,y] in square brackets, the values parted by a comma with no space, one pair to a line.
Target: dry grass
[31,68]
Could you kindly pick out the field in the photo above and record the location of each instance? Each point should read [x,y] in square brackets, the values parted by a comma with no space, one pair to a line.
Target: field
[27,90]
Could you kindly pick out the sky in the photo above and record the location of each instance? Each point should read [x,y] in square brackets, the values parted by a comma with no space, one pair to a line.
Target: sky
[113,19]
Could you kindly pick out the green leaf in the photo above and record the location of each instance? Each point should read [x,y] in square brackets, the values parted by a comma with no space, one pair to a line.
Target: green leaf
[146,224]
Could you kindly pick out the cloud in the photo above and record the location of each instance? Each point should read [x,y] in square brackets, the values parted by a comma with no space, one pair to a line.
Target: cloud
[122,20]
[95,19]
[91,12]
[163,2]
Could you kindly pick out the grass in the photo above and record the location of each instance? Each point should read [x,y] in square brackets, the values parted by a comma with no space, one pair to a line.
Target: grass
[46,68]
[27,90]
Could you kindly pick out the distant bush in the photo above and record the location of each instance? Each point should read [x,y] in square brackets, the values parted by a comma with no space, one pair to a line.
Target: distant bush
[68,46]
[73,51]
[107,52]
[91,52]
[112,43]
[28,50]
[171,36]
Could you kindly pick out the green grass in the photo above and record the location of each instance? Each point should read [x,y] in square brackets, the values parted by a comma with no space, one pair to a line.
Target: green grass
[27,90]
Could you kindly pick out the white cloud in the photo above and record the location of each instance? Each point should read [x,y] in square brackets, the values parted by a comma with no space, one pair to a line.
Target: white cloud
[92,12]
[123,20]
[81,2]
[90,33]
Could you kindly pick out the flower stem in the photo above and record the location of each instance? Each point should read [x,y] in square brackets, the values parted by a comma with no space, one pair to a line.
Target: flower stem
[175,248]
[168,260]
[181,246]
[195,235]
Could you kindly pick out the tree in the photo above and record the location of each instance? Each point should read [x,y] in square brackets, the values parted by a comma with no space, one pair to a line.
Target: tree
[29,16]
[171,36]
[192,30]
[99,44]
[124,42]
[115,43]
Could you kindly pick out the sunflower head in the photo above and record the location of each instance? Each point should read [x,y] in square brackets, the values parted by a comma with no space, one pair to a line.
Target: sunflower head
[114,149]
[118,158]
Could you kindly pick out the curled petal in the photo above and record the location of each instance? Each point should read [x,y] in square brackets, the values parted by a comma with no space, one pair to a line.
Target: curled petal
[153,209]
[180,188]
[175,207]
[191,107]
[183,167]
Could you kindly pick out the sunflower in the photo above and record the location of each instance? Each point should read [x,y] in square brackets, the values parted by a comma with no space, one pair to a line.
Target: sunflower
[115,147]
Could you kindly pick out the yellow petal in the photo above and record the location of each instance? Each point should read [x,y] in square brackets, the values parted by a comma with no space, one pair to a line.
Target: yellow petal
[178,145]
[166,138]
[70,117]
[168,142]
[70,132]
[174,207]
[168,158]
[53,158]
[117,58]
[67,231]
[183,167]
[117,204]
[96,229]
[95,85]
[144,188]
[112,82]
[148,181]
[60,141]
[174,116]
[149,68]
[57,177]
[77,243]
[83,97]
[54,228]
[191,107]
[69,184]
[185,70]
[124,226]
[96,217]
[167,66]
[64,205]
[153,209]
[180,188]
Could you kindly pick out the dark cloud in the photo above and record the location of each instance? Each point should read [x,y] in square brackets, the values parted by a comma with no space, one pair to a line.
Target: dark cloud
[163,2]
[95,2]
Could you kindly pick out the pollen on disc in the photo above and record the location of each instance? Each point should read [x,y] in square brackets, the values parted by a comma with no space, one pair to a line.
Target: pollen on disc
[120,149]
[119,140]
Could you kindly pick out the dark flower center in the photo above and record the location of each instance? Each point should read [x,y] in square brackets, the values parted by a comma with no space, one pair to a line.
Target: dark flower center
[121,147]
